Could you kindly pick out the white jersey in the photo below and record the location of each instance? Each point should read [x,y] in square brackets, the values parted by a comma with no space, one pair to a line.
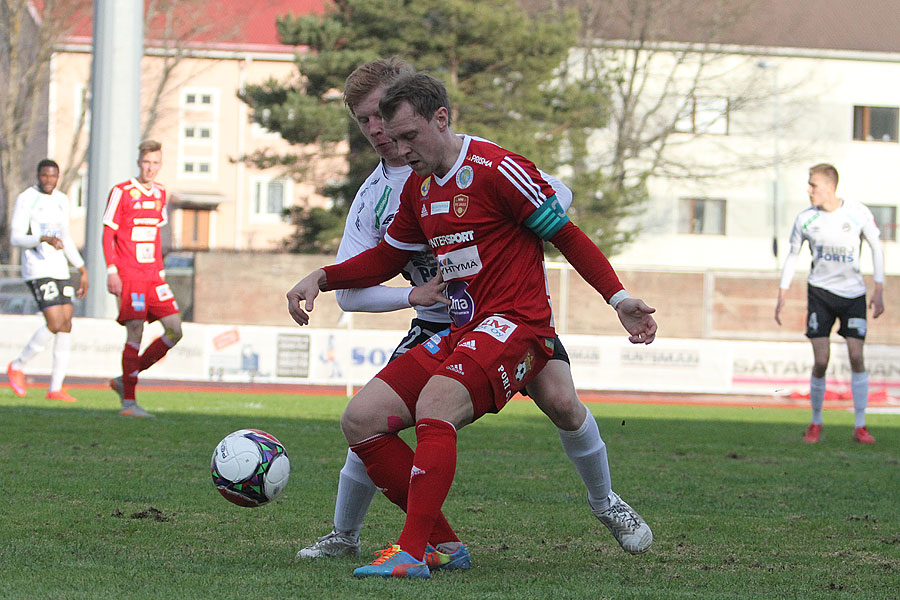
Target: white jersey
[373,209]
[835,242]
[37,214]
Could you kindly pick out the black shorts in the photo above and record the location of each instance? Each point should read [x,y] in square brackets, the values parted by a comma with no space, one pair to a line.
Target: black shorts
[823,308]
[51,292]
[419,331]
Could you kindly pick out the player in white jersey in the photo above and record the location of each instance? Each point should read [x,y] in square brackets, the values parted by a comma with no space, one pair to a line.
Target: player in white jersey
[834,229]
[373,209]
[40,226]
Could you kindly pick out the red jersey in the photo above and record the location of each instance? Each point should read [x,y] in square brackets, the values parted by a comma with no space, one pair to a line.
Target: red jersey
[484,221]
[134,215]
[472,220]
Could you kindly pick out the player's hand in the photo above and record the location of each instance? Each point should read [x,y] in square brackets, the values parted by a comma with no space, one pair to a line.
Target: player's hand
[779,304]
[877,304]
[83,285]
[303,295]
[53,241]
[430,294]
[114,284]
[635,317]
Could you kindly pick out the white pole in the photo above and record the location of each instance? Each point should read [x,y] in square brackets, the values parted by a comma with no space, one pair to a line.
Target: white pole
[115,124]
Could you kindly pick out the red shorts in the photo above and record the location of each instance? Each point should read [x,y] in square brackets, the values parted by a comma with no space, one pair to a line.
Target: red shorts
[146,301]
[493,361]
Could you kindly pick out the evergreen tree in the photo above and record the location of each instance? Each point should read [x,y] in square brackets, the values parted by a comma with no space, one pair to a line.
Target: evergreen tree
[502,70]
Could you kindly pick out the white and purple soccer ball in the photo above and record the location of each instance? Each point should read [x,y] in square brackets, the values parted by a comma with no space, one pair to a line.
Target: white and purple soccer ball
[250,467]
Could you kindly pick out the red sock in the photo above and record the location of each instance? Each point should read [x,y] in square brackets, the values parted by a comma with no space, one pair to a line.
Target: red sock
[154,352]
[388,463]
[130,361]
[432,476]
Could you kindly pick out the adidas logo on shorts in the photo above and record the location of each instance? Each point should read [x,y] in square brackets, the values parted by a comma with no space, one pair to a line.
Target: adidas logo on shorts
[416,471]
[470,344]
[456,369]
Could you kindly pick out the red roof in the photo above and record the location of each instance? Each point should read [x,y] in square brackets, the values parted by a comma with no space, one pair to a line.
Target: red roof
[247,25]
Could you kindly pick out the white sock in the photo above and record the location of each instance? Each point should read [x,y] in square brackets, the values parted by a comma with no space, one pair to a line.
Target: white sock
[859,385]
[36,344]
[60,360]
[355,493]
[587,451]
[816,398]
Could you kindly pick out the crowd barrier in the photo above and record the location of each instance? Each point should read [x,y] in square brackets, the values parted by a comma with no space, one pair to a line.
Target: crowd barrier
[350,357]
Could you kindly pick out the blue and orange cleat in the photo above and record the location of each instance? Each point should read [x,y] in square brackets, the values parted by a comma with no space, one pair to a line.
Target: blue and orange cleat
[394,562]
[449,561]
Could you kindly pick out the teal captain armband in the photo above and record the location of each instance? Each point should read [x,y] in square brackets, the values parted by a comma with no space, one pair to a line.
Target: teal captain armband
[548,219]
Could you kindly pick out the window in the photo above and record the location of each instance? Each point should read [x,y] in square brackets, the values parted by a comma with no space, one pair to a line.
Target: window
[886,219]
[194,132]
[875,123]
[705,115]
[201,169]
[269,197]
[701,216]
[199,99]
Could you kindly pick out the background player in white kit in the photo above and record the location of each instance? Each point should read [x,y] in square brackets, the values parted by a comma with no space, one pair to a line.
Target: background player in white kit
[553,391]
[834,229]
[40,226]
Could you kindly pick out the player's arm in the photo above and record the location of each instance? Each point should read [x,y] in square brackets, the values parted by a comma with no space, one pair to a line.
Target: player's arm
[595,269]
[72,253]
[787,270]
[369,268]
[110,250]
[21,219]
[534,204]
[872,234]
[358,237]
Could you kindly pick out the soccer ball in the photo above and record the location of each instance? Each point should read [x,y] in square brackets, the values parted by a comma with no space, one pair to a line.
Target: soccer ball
[250,467]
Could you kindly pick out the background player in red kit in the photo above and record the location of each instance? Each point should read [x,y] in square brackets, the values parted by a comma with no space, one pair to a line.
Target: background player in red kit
[135,213]
[483,211]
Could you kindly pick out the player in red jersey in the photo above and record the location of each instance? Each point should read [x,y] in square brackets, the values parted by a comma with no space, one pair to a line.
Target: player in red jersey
[135,212]
[483,212]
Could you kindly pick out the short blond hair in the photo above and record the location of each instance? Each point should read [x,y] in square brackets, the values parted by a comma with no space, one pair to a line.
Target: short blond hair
[372,75]
[827,170]
[148,146]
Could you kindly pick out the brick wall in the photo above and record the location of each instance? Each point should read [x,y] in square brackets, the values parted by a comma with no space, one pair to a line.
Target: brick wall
[250,289]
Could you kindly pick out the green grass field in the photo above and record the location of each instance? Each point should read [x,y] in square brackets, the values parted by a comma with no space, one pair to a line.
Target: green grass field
[102,506]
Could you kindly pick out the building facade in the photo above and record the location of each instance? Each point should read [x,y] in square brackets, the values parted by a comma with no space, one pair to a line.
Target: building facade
[217,201]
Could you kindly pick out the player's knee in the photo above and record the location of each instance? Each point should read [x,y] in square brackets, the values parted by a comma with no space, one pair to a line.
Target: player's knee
[565,410]
[355,425]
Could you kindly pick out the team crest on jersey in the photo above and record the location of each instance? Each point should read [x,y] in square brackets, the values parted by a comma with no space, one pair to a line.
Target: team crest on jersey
[134,193]
[524,366]
[426,185]
[464,177]
[460,204]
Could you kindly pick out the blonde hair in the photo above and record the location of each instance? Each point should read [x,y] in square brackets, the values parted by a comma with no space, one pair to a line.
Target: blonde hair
[372,75]
[148,146]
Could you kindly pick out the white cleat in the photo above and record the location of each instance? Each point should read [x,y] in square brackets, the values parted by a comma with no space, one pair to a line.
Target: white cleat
[629,529]
[336,543]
